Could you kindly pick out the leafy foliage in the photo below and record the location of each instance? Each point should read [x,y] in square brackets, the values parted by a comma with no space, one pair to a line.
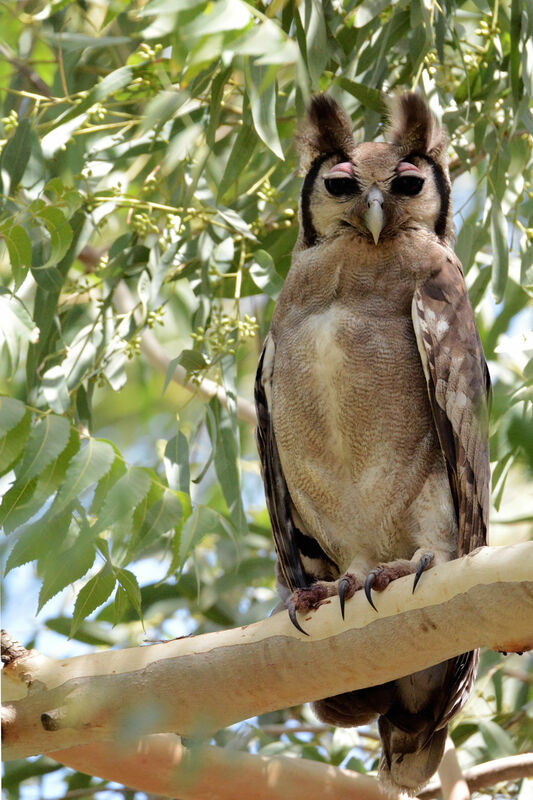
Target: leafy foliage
[148,186]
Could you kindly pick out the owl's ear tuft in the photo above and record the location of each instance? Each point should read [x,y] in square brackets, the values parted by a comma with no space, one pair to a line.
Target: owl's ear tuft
[326,129]
[414,128]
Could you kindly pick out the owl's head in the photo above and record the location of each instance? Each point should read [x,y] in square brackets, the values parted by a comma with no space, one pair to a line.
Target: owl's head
[373,189]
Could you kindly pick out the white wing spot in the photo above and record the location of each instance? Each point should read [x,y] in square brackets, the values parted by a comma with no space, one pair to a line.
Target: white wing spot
[460,400]
[442,327]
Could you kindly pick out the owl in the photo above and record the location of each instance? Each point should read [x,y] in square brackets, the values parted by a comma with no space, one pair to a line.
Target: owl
[371,395]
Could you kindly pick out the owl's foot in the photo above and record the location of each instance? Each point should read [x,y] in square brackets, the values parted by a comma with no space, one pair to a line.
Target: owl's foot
[380,577]
[310,598]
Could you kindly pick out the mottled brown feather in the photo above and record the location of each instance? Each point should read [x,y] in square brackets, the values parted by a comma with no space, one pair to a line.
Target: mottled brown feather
[276,492]
[459,388]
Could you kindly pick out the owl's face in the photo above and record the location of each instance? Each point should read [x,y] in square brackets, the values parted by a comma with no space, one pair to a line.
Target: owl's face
[374,190]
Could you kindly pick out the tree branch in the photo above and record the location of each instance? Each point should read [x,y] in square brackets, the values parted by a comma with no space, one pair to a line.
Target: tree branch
[453,784]
[160,764]
[200,684]
[512,768]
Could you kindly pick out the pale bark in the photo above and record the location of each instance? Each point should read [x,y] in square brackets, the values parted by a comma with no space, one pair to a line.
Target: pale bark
[159,764]
[453,783]
[197,685]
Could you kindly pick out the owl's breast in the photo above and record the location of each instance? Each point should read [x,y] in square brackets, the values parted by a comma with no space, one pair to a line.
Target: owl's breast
[351,417]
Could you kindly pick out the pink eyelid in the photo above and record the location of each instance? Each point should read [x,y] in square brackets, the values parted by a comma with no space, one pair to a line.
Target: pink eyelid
[345,167]
[405,166]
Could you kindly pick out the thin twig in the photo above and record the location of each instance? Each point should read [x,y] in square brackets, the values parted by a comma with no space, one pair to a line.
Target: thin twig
[512,768]
[278,730]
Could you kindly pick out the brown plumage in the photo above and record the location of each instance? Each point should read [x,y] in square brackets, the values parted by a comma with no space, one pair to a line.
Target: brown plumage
[371,397]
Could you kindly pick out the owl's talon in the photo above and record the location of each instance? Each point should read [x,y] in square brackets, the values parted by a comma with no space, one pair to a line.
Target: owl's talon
[423,564]
[369,582]
[292,616]
[346,590]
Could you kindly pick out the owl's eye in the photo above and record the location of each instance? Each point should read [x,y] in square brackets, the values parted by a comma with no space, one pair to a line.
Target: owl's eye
[339,187]
[407,184]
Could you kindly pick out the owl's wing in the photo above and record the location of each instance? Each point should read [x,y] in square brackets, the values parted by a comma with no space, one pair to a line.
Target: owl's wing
[277,494]
[459,388]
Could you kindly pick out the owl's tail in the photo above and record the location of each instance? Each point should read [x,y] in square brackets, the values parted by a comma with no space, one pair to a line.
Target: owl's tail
[407,762]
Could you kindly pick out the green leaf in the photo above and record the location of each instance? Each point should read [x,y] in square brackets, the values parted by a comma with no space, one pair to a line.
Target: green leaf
[215,103]
[261,85]
[224,15]
[316,37]
[112,83]
[65,566]
[73,42]
[499,743]
[94,593]
[47,439]
[18,327]
[38,540]
[176,463]
[16,154]
[55,389]
[500,254]
[190,360]
[118,469]
[26,498]
[163,515]
[236,222]
[514,53]
[12,444]
[60,232]
[241,153]
[88,466]
[264,275]
[161,108]
[11,413]
[202,522]
[19,248]
[120,606]
[18,497]
[129,583]
[226,465]
[367,96]
[123,497]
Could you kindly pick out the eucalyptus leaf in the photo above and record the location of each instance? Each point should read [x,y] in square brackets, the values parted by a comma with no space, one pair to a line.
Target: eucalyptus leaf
[16,154]
[500,253]
[261,84]
[64,566]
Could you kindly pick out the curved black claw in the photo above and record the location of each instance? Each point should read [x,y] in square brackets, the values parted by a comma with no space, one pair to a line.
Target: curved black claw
[424,562]
[369,582]
[292,616]
[344,584]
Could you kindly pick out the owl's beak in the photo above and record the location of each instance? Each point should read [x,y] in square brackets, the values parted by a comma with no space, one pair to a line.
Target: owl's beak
[373,216]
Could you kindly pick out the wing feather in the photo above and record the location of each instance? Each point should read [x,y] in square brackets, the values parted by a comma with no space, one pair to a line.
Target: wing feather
[459,390]
[458,387]
[277,495]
